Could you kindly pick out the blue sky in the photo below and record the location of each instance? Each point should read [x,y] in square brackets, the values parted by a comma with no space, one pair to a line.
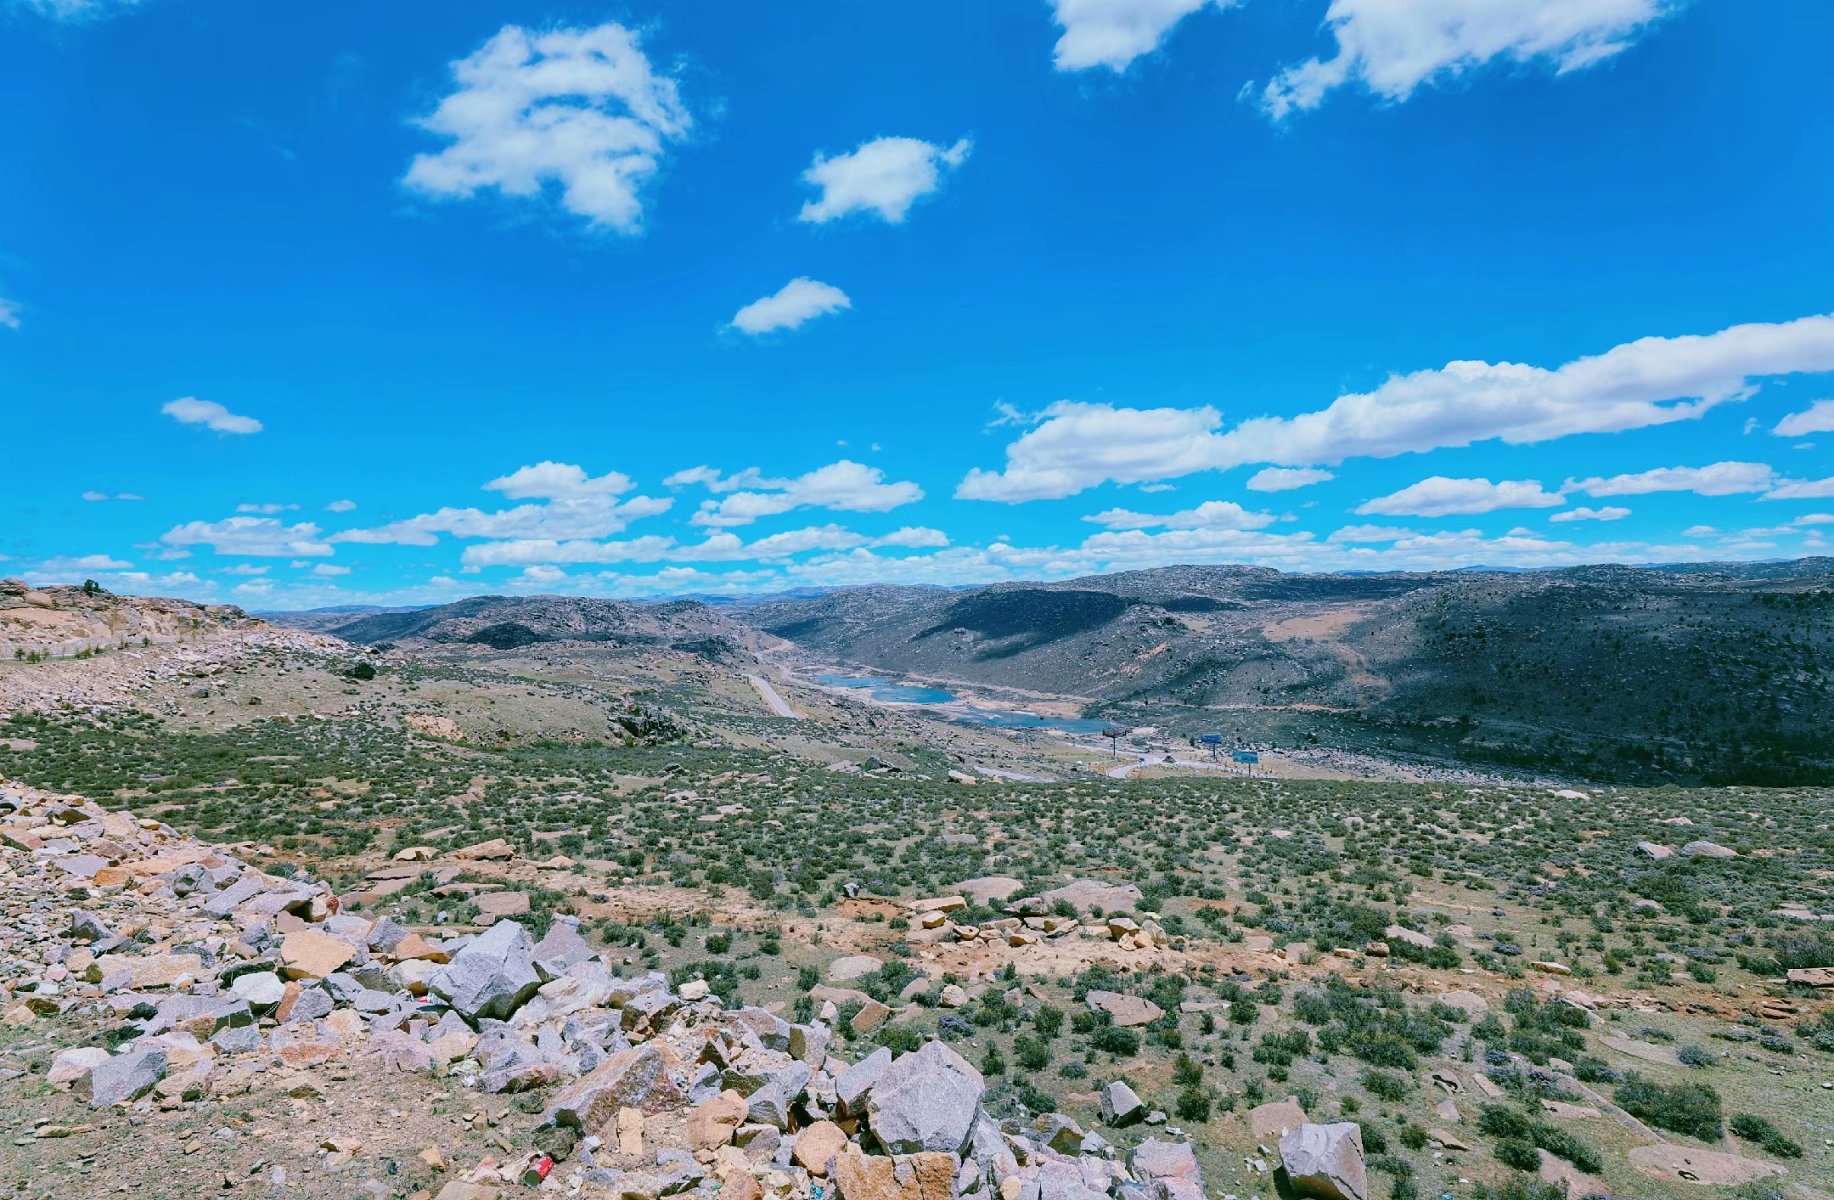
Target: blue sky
[402,303]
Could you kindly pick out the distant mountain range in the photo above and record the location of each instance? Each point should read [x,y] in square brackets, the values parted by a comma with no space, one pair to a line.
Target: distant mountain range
[1703,671]
[1691,672]
[509,622]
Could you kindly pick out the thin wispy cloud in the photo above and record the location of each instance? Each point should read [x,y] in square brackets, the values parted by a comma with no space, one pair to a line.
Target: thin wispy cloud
[189,410]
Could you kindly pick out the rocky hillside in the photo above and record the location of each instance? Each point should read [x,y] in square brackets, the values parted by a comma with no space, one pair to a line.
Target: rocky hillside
[217,988]
[63,621]
[1710,672]
[507,622]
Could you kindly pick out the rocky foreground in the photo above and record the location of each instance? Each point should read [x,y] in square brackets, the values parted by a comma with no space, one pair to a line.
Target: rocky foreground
[210,974]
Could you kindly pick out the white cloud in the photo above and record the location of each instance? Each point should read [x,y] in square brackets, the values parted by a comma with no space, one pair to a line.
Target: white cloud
[580,108]
[1438,496]
[70,567]
[329,570]
[1369,533]
[843,486]
[721,546]
[675,580]
[1112,33]
[1211,514]
[266,509]
[1814,519]
[1652,381]
[255,537]
[9,313]
[79,10]
[1802,489]
[1608,513]
[1718,479]
[800,300]
[586,517]
[558,481]
[189,410]
[341,506]
[94,496]
[1077,446]
[884,176]
[1394,46]
[245,569]
[1816,418]
[1285,479]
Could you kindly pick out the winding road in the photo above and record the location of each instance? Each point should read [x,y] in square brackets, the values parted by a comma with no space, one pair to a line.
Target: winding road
[778,704]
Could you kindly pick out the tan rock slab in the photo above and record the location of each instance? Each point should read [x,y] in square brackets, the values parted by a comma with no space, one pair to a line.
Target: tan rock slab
[309,954]
[817,1145]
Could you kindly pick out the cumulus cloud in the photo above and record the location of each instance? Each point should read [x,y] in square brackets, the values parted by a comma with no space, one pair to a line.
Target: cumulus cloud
[1369,533]
[341,506]
[266,509]
[720,546]
[1802,489]
[1076,446]
[1393,47]
[252,537]
[585,517]
[884,176]
[189,410]
[329,570]
[558,481]
[74,566]
[1718,479]
[1285,479]
[1652,381]
[582,109]
[843,486]
[1816,418]
[9,313]
[96,497]
[1607,513]
[1112,33]
[1438,496]
[800,300]
[1211,514]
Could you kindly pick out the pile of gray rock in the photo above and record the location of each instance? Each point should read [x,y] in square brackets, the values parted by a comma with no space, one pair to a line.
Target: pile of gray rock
[650,1090]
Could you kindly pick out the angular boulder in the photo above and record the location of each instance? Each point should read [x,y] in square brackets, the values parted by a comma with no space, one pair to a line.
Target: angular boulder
[492,976]
[924,1176]
[1326,1161]
[125,1076]
[646,1078]
[1120,1105]
[928,1100]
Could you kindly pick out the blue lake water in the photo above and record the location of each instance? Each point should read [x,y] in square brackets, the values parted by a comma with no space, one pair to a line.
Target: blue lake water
[891,691]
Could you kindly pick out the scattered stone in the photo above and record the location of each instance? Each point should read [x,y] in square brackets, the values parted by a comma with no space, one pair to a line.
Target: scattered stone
[1126,1010]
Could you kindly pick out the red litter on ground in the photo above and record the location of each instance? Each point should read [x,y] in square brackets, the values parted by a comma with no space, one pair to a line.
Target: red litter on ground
[537,1170]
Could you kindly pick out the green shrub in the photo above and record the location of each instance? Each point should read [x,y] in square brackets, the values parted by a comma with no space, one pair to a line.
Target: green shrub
[1690,1108]
[1754,1128]
[1518,1154]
